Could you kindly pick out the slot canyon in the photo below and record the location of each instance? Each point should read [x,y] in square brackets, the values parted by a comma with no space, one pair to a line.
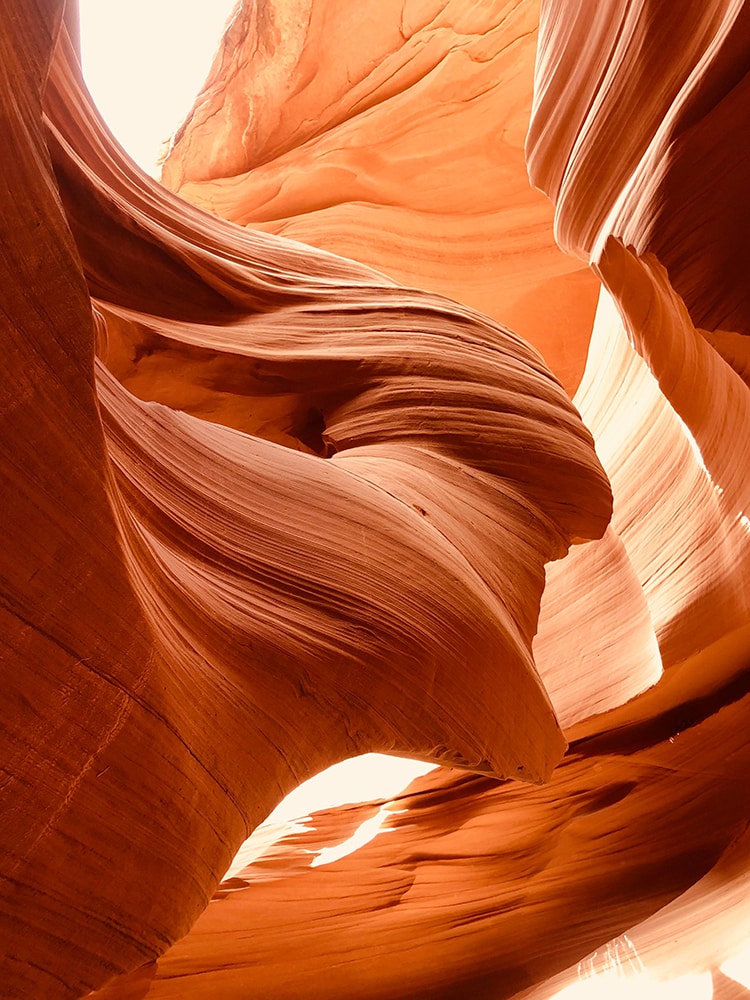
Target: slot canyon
[403,416]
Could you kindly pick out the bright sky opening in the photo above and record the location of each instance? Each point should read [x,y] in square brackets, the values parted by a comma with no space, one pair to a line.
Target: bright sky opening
[359,779]
[145,61]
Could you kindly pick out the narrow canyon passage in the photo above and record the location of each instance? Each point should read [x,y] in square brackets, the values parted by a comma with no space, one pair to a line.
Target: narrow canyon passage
[407,416]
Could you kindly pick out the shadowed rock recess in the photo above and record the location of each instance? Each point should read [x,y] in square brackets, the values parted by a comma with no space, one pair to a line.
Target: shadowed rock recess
[280,487]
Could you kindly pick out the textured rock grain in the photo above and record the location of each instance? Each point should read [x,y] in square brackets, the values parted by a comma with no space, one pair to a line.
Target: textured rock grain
[267,507]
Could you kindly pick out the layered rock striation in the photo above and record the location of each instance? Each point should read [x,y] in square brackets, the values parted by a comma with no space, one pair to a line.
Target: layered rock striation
[268,507]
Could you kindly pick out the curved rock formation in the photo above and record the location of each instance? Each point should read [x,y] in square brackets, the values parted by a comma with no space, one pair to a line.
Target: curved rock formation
[320,530]
[268,508]
[392,133]
[480,889]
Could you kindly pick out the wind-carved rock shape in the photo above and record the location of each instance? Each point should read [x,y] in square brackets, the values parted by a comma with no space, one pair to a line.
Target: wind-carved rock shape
[294,511]
[640,838]
[265,510]
[392,133]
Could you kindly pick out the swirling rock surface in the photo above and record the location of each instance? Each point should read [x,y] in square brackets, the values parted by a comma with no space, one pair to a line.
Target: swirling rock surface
[291,512]
[392,133]
[267,508]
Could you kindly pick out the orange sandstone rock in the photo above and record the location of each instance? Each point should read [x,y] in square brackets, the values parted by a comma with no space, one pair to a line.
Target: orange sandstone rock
[392,133]
[268,508]
[292,512]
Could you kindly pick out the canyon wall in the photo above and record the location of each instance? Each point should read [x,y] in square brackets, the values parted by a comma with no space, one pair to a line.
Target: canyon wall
[280,493]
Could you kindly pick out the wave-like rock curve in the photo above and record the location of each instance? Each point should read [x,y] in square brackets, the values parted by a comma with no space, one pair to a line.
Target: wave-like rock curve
[292,512]
[268,508]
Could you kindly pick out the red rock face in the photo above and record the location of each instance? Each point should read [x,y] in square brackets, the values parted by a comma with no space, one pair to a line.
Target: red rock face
[269,508]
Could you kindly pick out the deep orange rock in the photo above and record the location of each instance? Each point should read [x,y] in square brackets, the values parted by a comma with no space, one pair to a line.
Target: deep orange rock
[269,508]
[319,527]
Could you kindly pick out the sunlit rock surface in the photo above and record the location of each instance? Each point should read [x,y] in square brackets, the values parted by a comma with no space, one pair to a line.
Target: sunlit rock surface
[393,133]
[268,508]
